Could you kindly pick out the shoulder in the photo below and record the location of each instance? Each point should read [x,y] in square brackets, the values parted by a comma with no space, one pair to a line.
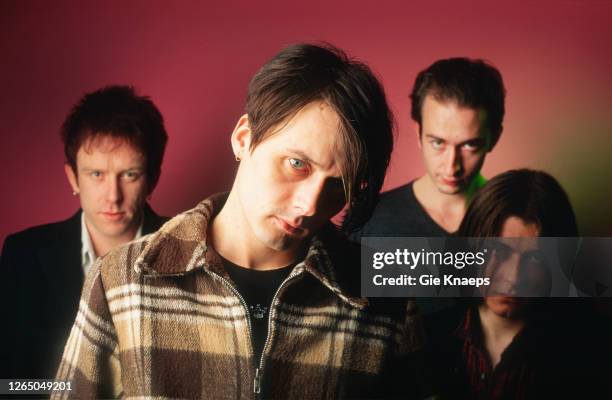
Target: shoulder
[400,313]
[173,249]
[117,267]
[394,203]
[44,234]
[399,191]
[345,256]
[400,195]
[152,221]
[395,214]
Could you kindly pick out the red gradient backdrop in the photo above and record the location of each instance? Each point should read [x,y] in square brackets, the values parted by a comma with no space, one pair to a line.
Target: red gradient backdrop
[195,60]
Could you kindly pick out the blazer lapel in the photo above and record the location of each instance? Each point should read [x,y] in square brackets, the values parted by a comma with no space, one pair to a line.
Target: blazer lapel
[61,263]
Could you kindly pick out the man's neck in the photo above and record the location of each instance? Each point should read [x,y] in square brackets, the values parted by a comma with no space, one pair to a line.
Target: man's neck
[232,237]
[498,332]
[447,210]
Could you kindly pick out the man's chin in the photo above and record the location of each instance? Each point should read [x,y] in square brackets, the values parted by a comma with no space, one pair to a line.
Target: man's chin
[281,241]
[115,229]
[278,243]
[448,189]
[505,306]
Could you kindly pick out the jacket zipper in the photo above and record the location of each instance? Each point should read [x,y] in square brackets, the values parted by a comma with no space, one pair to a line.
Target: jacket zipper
[256,386]
[259,369]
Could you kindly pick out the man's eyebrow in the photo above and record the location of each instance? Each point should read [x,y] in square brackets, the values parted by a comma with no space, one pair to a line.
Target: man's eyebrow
[475,140]
[430,136]
[132,168]
[304,157]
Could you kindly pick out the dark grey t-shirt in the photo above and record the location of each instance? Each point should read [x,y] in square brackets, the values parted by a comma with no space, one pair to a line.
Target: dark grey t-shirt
[399,213]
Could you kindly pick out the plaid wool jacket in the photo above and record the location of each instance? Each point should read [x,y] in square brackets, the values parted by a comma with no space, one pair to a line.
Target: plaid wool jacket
[161,318]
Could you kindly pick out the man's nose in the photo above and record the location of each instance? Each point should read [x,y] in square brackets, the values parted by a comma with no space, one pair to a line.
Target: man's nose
[511,273]
[308,195]
[114,192]
[453,163]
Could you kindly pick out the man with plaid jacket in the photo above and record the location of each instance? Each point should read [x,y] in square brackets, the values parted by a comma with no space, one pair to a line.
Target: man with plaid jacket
[255,293]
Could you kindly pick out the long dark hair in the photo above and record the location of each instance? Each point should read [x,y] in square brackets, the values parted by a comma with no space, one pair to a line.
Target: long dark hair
[533,196]
[303,73]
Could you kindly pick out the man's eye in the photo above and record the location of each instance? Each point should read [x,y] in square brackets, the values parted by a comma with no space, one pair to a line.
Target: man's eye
[471,146]
[502,253]
[96,174]
[436,144]
[131,175]
[297,164]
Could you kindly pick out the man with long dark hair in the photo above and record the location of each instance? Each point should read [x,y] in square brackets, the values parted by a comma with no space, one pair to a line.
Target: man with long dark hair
[502,347]
[254,293]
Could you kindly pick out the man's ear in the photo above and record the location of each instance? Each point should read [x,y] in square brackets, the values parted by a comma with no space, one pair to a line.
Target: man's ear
[72,178]
[417,129]
[241,138]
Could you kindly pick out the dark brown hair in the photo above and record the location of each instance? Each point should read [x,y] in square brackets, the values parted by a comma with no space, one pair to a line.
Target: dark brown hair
[303,73]
[471,83]
[118,112]
[534,196]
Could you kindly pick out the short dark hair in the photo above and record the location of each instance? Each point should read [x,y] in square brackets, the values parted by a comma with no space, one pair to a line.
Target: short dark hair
[471,83]
[534,196]
[303,73]
[117,111]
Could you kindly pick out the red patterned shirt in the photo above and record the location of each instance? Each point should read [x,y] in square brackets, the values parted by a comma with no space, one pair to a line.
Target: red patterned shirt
[511,377]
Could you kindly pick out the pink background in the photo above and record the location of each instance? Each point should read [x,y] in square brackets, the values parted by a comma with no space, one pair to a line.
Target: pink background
[195,61]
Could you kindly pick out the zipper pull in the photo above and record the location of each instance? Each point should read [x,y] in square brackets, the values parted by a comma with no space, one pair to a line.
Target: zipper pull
[257,381]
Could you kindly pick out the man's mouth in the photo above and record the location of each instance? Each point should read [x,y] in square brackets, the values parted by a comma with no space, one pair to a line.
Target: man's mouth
[113,215]
[290,228]
[505,298]
[506,295]
[450,181]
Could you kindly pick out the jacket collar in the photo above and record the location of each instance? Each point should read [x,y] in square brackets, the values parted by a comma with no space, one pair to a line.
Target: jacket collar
[180,247]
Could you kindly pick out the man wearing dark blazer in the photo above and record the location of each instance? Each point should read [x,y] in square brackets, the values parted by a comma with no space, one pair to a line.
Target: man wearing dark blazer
[114,141]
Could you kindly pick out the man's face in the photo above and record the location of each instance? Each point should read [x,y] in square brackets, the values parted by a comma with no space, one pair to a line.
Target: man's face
[290,184]
[454,143]
[112,187]
[516,269]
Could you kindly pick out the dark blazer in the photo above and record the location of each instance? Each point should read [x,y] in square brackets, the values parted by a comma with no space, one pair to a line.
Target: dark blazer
[41,280]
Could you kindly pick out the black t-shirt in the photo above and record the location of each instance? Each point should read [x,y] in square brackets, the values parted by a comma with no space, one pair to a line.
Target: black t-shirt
[258,289]
[399,213]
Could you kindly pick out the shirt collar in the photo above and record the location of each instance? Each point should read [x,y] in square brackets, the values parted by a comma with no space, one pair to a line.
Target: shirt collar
[88,254]
[470,331]
[180,247]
